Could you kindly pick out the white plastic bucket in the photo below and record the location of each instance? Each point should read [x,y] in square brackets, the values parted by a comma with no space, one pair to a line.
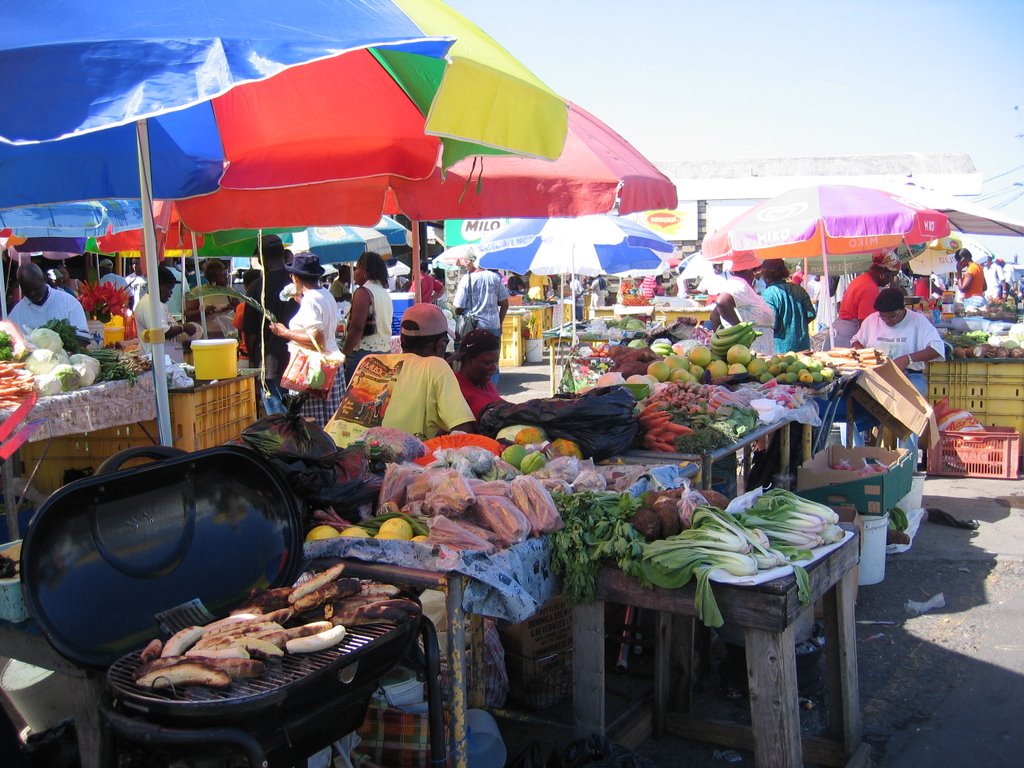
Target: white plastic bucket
[486,748]
[912,501]
[36,693]
[535,350]
[872,549]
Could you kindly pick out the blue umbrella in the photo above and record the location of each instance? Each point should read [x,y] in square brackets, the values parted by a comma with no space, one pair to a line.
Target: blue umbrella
[587,245]
[347,243]
[85,219]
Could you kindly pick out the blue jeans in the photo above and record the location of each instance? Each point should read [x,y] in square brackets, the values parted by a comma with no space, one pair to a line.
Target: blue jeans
[273,401]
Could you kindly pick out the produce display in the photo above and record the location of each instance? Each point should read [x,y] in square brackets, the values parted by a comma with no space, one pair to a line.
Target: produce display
[271,624]
[16,383]
[779,529]
[984,345]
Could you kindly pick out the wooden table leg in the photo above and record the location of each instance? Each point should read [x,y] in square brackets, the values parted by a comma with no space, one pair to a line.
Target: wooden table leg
[84,692]
[588,674]
[457,670]
[774,710]
[662,670]
[684,667]
[844,716]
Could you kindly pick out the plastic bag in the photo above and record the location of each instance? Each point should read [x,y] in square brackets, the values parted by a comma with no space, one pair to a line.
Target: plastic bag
[397,478]
[534,500]
[600,422]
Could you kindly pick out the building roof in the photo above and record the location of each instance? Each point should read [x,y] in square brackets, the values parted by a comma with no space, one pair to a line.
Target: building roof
[759,178]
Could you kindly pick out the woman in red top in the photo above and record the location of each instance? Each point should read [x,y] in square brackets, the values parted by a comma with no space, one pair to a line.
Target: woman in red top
[478,362]
[859,299]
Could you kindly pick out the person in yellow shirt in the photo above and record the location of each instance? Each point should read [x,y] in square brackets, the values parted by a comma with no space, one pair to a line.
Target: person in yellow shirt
[538,286]
[415,391]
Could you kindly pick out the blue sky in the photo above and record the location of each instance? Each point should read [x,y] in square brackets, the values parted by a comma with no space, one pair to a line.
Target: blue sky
[745,78]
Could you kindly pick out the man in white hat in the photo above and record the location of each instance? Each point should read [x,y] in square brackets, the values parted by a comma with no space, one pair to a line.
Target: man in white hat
[108,275]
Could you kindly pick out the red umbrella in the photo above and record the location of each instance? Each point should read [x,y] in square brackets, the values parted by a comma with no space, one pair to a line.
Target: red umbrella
[597,167]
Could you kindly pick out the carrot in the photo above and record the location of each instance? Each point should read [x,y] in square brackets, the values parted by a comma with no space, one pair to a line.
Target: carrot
[654,407]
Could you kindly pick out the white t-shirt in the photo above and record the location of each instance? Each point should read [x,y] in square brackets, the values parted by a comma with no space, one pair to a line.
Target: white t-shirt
[59,305]
[318,310]
[912,334]
[162,320]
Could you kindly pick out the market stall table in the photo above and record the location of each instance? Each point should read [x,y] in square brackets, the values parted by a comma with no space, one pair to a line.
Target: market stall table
[562,339]
[768,615]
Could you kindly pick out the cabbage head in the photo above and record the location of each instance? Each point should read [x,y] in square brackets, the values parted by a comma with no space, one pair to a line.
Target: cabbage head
[67,376]
[44,338]
[41,361]
[87,366]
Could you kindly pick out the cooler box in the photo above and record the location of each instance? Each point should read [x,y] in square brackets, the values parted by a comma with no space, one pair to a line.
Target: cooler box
[401,302]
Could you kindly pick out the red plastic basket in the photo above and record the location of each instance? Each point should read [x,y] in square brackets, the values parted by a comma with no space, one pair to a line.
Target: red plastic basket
[993,452]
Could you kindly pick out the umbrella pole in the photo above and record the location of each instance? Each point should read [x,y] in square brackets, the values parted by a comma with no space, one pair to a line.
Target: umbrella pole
[3,293]
[416,287]
[830,312]
[199,285]
[163,407]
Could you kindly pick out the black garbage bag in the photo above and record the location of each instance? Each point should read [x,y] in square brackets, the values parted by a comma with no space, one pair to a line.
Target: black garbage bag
[600,421]
[289,437]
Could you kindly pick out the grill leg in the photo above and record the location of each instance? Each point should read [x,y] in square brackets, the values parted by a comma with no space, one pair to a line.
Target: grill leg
[435,704]
[140,732]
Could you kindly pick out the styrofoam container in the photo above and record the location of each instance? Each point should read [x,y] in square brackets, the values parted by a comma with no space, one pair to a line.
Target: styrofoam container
[404,692]
[38,694]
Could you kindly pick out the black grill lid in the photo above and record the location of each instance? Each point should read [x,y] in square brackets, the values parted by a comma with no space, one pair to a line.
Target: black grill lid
[111,560]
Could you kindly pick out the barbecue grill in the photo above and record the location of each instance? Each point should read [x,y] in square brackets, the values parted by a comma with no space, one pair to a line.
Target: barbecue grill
[114,560]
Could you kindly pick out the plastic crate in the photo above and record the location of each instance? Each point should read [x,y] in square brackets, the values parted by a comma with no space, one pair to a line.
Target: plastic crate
[992,453]
[212,414]
[539,682]
[82,453]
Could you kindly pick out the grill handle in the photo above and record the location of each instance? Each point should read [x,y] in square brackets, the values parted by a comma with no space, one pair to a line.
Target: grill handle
[142,732]
[138,452]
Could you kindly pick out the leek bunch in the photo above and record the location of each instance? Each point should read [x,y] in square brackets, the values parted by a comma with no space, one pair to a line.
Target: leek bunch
[792,521]
[714,540]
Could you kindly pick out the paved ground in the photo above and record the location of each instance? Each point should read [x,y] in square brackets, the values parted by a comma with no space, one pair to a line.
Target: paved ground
[942,688]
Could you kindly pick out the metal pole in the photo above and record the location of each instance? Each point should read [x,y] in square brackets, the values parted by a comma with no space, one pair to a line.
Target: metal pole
[416,287]
[199,285]
[830,314]
[163,406]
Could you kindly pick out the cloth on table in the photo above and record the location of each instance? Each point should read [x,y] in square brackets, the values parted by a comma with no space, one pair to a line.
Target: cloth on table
[100,406]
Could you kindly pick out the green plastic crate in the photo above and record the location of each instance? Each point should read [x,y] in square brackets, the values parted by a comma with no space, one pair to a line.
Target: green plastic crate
[872,495]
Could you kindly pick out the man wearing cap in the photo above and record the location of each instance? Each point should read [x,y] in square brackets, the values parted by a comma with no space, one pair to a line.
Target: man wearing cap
[107,275]
[266,289]
[970,279]
[40,303]
[859,300]
[150,315]
[415,391]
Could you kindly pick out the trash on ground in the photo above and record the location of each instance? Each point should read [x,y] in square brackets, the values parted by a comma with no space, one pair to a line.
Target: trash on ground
[915,608]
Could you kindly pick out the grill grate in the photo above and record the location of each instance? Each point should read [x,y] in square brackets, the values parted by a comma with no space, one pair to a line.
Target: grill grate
[283,676]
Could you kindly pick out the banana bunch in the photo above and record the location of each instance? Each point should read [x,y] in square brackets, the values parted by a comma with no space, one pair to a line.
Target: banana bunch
[723,338]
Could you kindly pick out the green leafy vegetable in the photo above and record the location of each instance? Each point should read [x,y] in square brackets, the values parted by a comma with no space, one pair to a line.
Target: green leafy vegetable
[597,528]
[6,346]
[68,335]
[231,293]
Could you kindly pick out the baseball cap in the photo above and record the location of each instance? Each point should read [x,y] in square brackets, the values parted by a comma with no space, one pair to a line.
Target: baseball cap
[886,260]
[424,320]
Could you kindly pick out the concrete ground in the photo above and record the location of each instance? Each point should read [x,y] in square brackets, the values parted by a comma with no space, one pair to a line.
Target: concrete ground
[941,688]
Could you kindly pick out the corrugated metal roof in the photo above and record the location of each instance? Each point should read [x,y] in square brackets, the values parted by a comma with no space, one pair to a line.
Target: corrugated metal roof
[757,178]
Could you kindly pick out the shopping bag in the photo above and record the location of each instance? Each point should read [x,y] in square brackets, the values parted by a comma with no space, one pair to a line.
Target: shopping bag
[310,371]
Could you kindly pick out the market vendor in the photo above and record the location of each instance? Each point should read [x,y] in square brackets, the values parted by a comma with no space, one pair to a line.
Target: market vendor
[219,310]
[859,299]
[738,302]
[40,303]
[907,338]
[970,279]
[792,306]
[477,361]
[149,317]
[415,391]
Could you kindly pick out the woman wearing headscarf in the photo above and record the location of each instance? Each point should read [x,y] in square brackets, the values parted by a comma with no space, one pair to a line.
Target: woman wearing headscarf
[478,362]
[219,310]
[792,306]
[313,328]
[738,302]
[368,329]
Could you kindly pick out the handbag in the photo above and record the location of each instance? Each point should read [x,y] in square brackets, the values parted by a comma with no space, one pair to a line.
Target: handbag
[310,371]
[464,324]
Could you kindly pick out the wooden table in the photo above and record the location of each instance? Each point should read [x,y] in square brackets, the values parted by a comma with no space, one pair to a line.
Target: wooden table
[768,614]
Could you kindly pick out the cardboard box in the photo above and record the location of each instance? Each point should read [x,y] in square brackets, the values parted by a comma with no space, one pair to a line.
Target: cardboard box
[548,631]
[872,495]
[890,397]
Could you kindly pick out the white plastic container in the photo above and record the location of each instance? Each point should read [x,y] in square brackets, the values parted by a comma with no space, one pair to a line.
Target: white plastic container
[535,350]
[872,549]
[36,693]
[913,500]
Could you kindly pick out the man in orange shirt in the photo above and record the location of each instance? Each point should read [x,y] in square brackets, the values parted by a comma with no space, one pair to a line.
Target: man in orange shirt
[970,279]
[859,299]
